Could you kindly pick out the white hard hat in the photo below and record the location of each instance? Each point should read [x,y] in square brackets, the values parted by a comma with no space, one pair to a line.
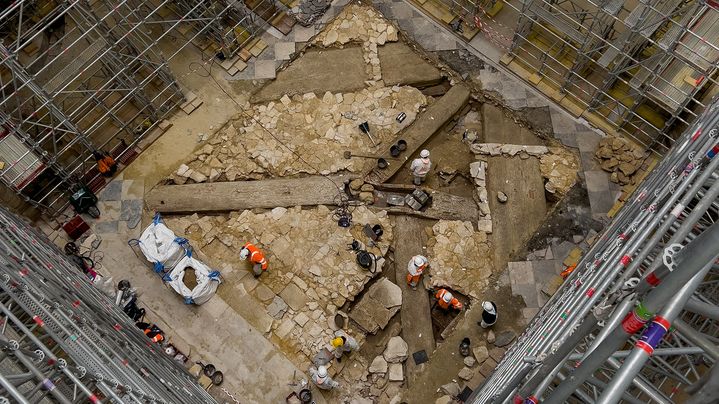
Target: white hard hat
[419,260]
[447,297]
[322,371]
[489,307]
[424,153]
[244,252]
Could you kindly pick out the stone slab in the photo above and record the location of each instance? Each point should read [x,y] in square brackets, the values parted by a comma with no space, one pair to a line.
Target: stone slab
[403,66]
[294,296]
[334,70]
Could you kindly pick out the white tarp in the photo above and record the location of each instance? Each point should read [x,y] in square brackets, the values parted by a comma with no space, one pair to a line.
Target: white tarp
[160,245]
[207,280]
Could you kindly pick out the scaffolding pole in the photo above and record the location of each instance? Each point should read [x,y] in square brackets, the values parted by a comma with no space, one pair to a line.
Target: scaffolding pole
[63,337]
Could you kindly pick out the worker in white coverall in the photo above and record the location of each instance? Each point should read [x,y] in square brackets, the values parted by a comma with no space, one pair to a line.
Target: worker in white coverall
[322,379]
[420,167]
[415,268]
[343,343]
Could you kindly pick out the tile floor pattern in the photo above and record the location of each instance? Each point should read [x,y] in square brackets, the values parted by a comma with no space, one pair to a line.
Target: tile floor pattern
[278,51]
[120,203]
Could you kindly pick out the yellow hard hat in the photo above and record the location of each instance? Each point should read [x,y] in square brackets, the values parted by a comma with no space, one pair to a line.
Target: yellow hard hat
[337,342]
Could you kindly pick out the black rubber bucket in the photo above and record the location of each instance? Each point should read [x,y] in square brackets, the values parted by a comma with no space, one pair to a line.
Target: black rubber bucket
[402,145]
[382,163]
[394,151]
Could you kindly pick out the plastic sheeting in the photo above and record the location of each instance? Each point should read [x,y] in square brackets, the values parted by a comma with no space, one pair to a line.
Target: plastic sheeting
[207,280]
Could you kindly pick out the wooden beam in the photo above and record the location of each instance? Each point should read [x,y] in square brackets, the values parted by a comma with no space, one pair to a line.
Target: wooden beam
[417,134]
[241,195]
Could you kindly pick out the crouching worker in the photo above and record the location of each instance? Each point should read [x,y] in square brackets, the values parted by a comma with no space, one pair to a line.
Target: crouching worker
[322,379]
[446,301]
[489,314]
[258,260]
[343,343]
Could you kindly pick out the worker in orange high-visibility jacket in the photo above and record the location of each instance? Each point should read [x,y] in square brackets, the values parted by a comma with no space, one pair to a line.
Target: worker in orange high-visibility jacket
[258,260]
[151,330]
[447,301]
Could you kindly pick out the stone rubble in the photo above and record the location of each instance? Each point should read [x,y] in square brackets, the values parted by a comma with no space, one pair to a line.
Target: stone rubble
[460,257]
[501,197]
[497,149]
[480,354]
[319,130]
[309,11]
[620,158]
[559,167]
[291,238]
[469,361]
[364,25]
[395,372]
[466,373]
[378,365]
[478,171]
[397,350]
[451,389]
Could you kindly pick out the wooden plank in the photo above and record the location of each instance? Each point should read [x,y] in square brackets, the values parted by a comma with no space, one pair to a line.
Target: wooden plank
[444,206]
[415,315]
[417,134]
[241,195]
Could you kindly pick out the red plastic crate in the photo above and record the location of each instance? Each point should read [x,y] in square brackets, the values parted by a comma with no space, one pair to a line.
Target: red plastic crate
[75,227]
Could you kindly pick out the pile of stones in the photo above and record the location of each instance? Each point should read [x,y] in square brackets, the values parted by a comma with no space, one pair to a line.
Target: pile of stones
[309,11]
[460,257]
[559,168]
[363,25]
[478,172]
[620,158]
[319,130]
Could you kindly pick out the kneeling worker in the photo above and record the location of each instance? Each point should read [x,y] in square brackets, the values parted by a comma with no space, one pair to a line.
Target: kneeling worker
[322,379]
[447,301]
[249,251]
[343,343]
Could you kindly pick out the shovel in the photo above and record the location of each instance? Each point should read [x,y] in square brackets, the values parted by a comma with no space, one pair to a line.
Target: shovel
[364,127]
[348,155]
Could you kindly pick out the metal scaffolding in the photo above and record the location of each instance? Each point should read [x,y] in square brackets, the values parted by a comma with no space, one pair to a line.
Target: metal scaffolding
[82,76]
[638,319]
[641,68]
[62,340]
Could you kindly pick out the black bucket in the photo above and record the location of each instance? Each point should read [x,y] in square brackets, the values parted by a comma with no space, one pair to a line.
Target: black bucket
[305,396]
[364,259]
[377,229]
[402,145]
[394,151]
[382,163]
